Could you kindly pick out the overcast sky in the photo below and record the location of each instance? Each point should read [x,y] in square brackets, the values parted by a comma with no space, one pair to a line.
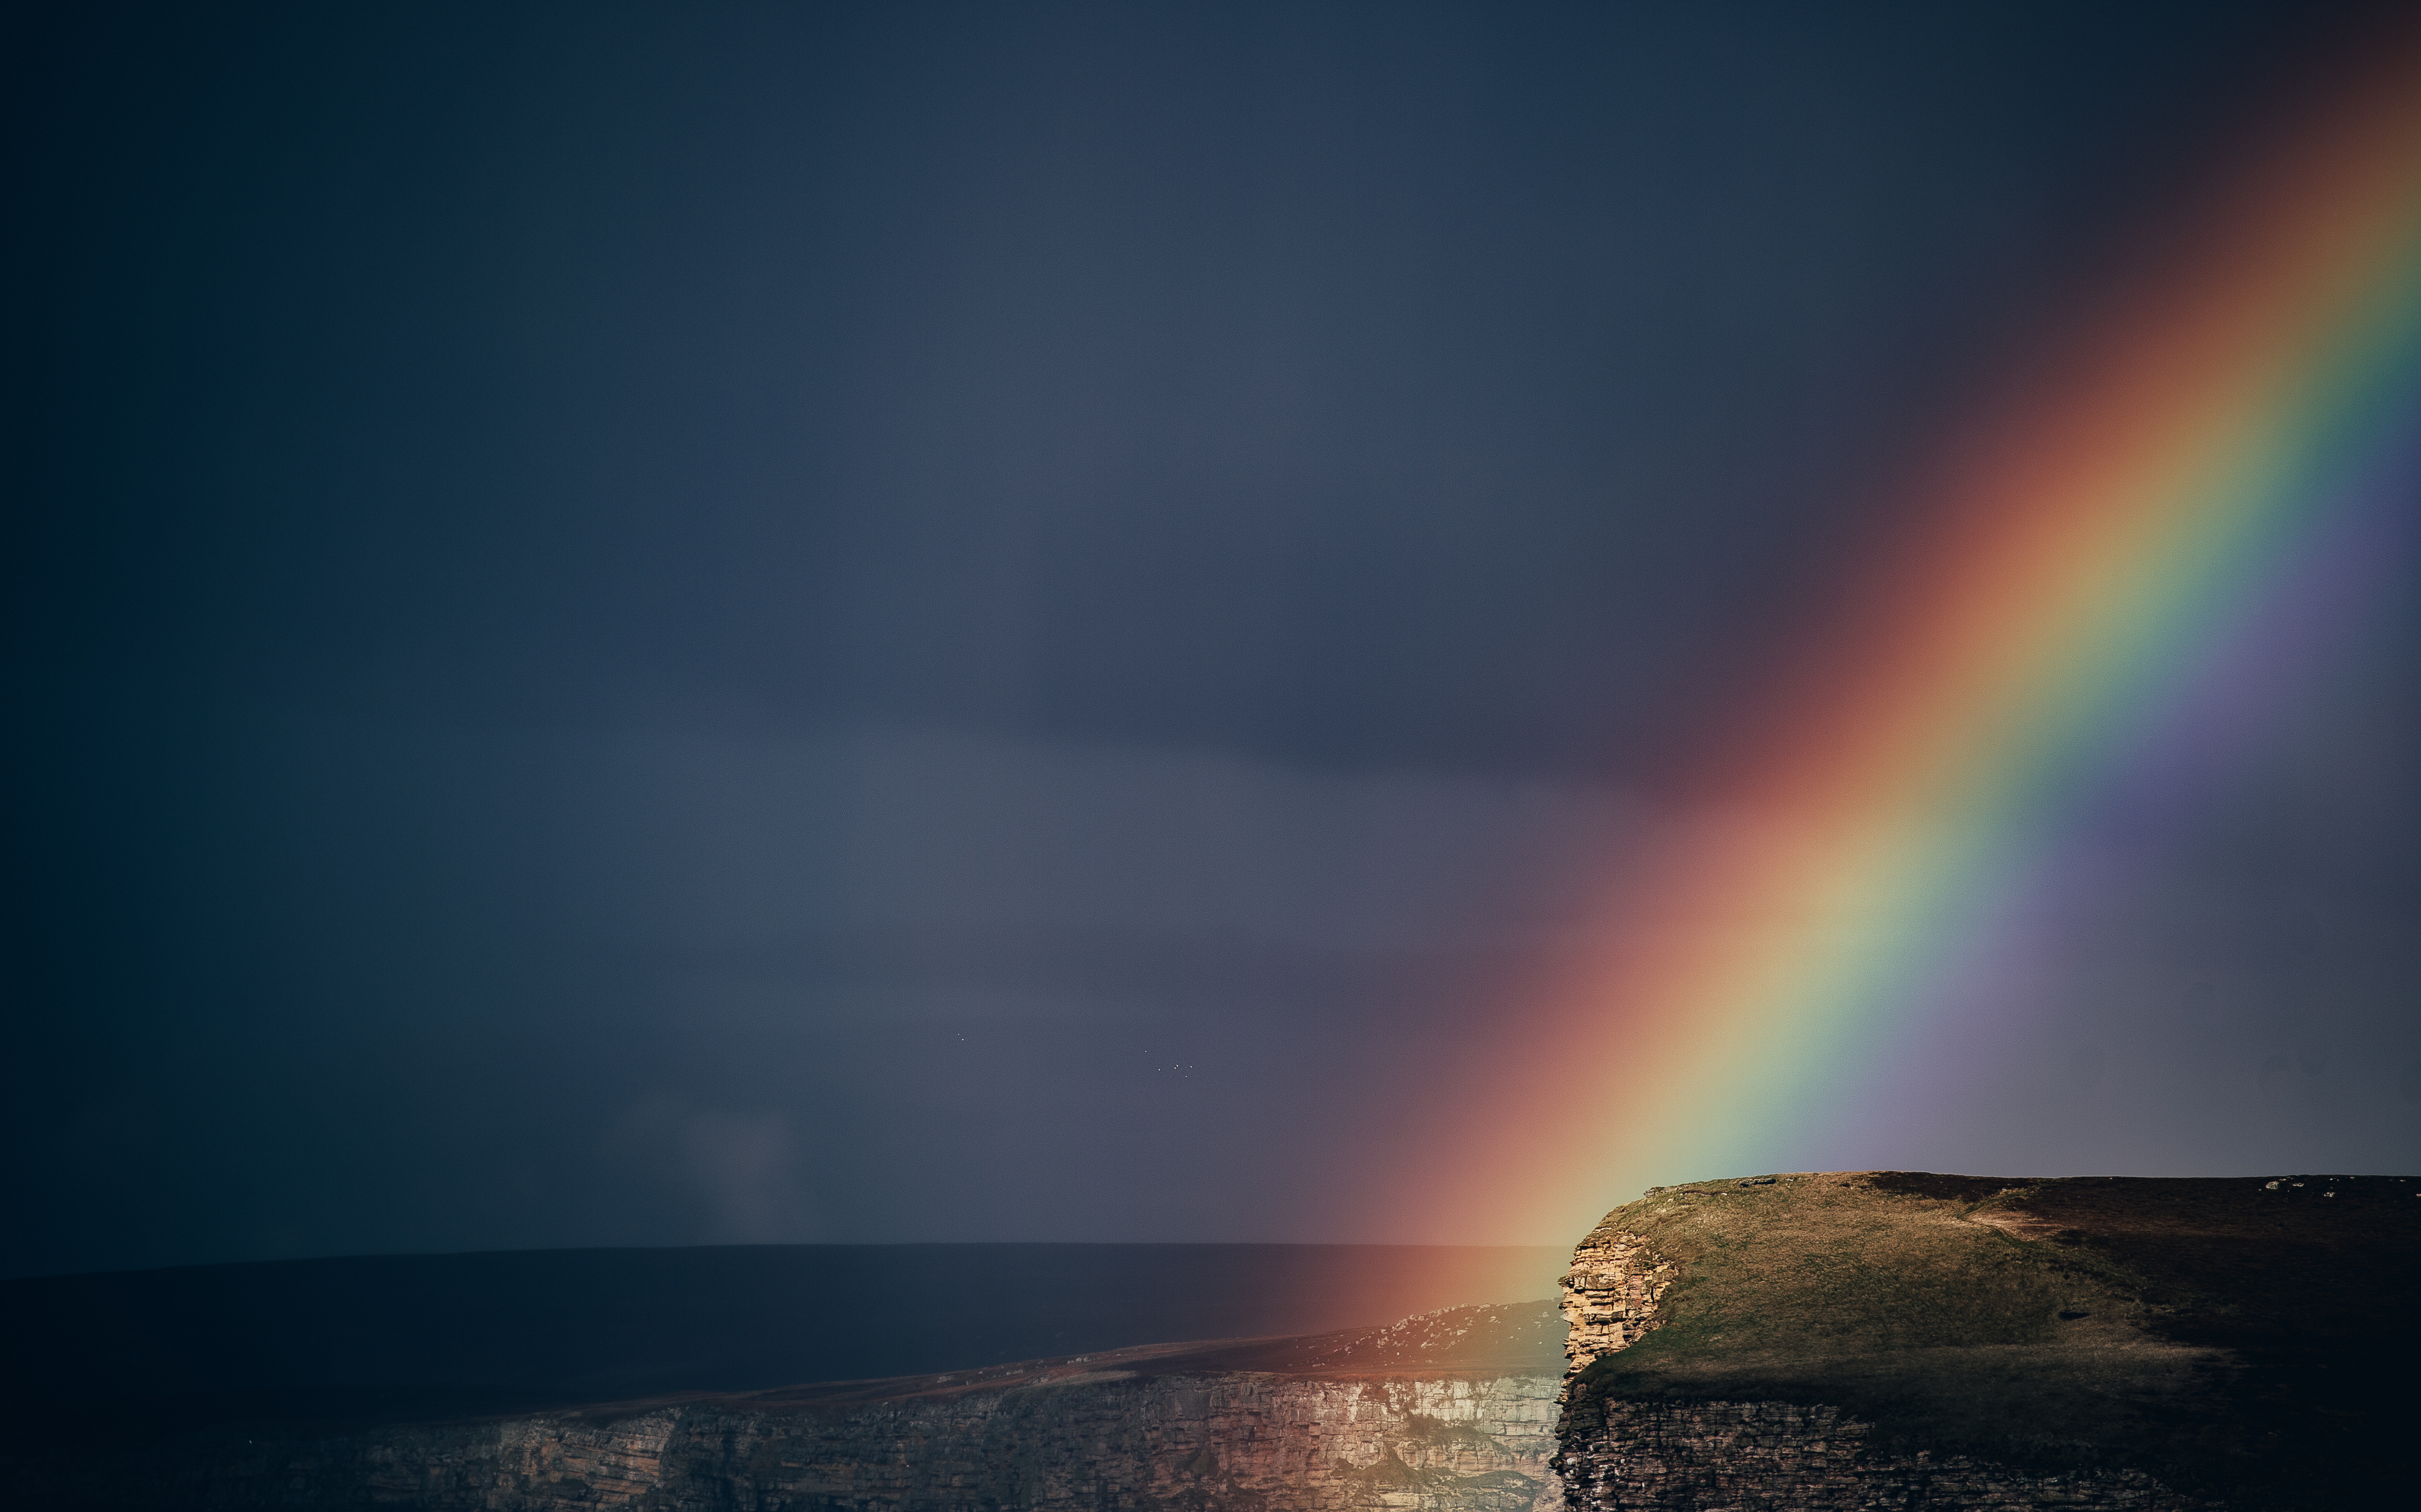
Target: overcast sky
[642,624]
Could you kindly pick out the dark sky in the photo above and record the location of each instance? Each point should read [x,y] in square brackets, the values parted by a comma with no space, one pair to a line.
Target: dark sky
[649,625]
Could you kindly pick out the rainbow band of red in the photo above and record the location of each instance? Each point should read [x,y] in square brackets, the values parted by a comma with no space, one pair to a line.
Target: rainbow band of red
[2084,557]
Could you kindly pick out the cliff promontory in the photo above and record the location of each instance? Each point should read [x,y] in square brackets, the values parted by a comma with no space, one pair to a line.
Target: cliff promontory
[1813,1342]
[1897,1339]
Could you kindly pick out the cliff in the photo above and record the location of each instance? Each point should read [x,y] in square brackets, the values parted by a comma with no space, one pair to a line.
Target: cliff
[1451,1412]
[1910,1340]
[1803,1341]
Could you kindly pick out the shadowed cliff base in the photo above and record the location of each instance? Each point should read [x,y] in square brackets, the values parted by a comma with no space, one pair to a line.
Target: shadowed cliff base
[2243,1340]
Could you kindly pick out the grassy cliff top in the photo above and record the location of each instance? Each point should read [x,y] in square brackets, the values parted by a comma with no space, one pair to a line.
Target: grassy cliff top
[2225,1334]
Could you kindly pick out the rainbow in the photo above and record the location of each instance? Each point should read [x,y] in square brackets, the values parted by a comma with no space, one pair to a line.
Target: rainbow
[2101,566]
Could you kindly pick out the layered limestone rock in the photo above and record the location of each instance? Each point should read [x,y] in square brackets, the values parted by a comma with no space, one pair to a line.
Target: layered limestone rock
[1609,1293]
[1193,1442]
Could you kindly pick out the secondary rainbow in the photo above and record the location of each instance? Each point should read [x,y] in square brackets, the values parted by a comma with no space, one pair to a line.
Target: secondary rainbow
[2112,544]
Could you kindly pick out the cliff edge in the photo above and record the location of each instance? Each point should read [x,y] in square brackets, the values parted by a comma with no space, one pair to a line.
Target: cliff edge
[1851,1339]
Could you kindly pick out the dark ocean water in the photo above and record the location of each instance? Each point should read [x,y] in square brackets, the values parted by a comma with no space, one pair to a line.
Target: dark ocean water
[412,1335]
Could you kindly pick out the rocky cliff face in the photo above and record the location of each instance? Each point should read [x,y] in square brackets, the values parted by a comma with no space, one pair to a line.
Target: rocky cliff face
[1181,1441]
[1817,1342]
[1740,1454]
[1414,1418]
[1610,1294]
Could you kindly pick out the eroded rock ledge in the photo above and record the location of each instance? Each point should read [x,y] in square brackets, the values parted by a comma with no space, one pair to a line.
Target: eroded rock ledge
[1610,1294]
[1182,1441]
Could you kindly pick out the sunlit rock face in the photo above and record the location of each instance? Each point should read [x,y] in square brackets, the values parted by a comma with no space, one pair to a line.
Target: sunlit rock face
[1610,1294]
[1194,1441]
